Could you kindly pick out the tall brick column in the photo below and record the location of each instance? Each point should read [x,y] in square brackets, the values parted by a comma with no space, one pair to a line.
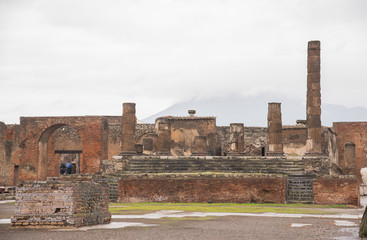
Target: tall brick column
[275,129]
[236,137]
[313,145]
[128,129]
[164,139]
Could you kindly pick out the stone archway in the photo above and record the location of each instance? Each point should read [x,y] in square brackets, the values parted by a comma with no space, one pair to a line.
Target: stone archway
[42,150]
[36,132]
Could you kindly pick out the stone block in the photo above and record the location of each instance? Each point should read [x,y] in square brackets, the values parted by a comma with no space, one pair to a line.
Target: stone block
[84,200]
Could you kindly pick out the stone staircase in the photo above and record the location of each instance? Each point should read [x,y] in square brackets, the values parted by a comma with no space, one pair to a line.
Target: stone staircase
[112,183]
[272,165]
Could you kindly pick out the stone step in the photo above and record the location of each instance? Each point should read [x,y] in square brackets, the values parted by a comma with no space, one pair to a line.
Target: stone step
[171,165]
[219,170]
[212,166]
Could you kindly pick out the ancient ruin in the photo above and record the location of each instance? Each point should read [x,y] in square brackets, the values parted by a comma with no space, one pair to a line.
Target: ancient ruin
[61,203]
[313,99]
[275,129]
[190,158]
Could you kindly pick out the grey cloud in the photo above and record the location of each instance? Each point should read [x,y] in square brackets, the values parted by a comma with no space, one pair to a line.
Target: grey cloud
[158,53]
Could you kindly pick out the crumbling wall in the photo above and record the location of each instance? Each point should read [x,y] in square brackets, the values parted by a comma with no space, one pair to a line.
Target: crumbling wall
[294,140]
[114,139]
[223,141]
[355,133]
[9,153]
[61,203]
[255,140]
[35,152]
[329,144]
[185,129]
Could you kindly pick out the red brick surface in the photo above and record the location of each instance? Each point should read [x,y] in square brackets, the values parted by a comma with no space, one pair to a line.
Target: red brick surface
[9,152]
[91,129]
[231,188]
[355,132]
[203,189]
[330,191]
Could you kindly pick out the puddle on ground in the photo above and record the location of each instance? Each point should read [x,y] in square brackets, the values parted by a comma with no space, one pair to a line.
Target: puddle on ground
[112,225]
[342,223]
[297,225]
[4,221]
[7,201]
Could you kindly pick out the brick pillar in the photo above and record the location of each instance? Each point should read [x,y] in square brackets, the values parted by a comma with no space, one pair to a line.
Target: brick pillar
[275,129]
[164,139]
[236,138]
[313,145]
[200,148]
[128,129]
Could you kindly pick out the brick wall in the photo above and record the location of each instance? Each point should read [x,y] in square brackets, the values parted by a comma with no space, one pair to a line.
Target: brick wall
[35,130]
[235,188]
[9,153]
[352,132]
[238,188]
[330,191]
[61,203]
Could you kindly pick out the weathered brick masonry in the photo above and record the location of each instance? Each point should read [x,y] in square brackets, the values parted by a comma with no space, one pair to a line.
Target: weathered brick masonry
[234,188]
[237,188]
[36,132]
[9,153]
[351,133]
[61,203]
[331,191]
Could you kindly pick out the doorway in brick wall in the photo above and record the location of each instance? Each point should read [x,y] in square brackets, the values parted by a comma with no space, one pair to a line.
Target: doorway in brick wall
[71,156]
[300,188]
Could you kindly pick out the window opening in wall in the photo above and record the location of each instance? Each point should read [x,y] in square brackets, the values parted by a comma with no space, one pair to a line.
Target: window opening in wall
[69,161]
[262,151]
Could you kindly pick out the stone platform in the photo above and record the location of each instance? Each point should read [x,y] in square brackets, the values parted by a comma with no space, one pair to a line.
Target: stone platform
[61,203]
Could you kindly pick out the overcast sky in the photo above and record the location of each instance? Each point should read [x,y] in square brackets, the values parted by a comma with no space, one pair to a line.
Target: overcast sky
[88,57]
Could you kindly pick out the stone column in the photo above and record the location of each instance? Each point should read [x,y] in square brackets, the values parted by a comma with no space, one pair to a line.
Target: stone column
[236,138]
[128,129]
[200,148]
[313,145]
[275,129]
[164,139]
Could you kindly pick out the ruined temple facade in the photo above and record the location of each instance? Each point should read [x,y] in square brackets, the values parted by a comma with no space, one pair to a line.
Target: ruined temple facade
[34,149]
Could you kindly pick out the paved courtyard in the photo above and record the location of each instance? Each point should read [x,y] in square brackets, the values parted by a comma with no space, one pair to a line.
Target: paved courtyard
[184,225]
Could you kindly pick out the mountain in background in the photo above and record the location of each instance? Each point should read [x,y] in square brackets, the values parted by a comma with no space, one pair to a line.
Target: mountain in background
[252,111]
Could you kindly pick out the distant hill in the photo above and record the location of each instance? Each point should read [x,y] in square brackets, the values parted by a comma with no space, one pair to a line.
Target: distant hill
[252,111]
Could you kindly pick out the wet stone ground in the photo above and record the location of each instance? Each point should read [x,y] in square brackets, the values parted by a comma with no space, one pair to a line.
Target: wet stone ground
[209,227]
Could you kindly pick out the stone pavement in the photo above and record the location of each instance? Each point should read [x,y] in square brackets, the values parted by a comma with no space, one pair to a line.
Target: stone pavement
[170,224]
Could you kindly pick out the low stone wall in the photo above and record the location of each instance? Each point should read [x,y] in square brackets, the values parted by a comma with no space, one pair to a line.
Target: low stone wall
[61,203]
[235,188]
[332,191]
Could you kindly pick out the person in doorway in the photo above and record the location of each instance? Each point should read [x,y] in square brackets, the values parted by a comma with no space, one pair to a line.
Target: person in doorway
[73,169]
[69,166]
[62,168]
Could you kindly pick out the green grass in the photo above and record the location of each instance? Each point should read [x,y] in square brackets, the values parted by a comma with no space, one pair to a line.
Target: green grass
[135,208]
